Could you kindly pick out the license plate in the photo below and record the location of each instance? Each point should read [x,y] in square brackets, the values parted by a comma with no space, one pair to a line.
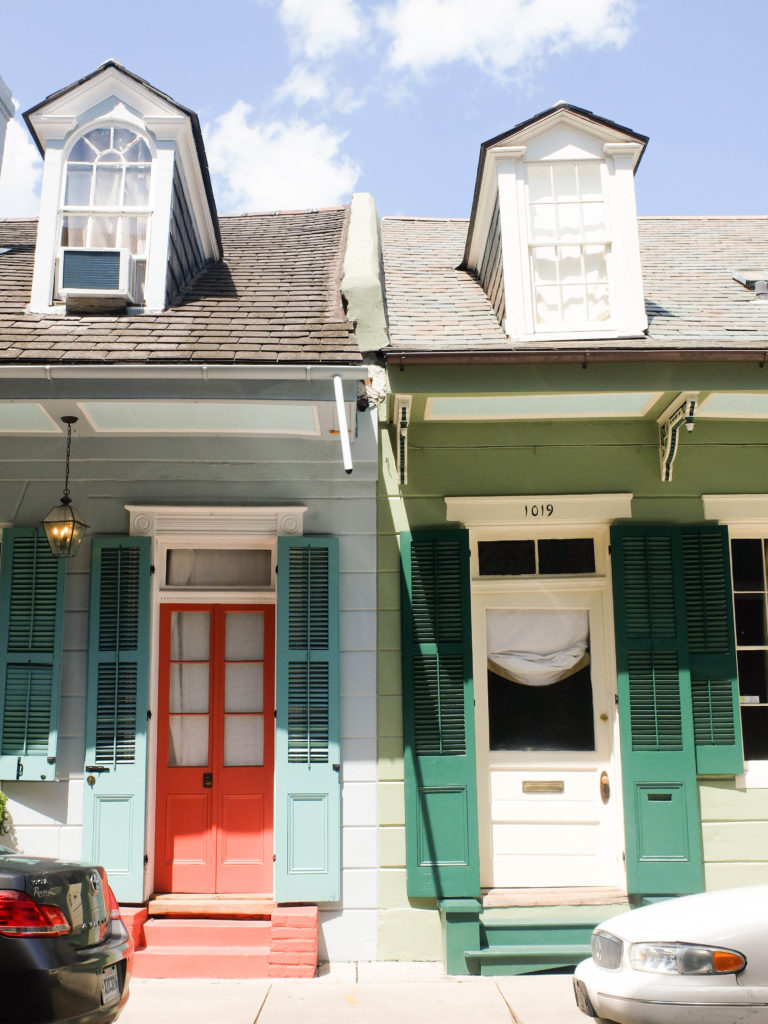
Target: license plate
[110,985]
[582,999]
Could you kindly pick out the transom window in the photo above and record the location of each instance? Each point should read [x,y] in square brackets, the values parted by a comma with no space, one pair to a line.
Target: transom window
[542,557]
[568,243]
[106,194]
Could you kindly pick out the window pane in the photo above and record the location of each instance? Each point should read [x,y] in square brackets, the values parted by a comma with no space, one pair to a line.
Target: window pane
[139,152]
[747,562]
[78,187]
[243,739]
[574,555]
[574,304]
[598,303]
[539,183]
[566,187]
[244,636]
[753,677]
[595,267]
[244,688]
[545,265]
[589,181]
[73,230]
[506,557]
[570,264]
[750,620]
[110,157]
[134,235]
[189,686]
[190,636]
[548,305]
[568,222]
[136,185]
[103,232]
[106,190]
[593,216]
[122,138]
[200,567]
[100,138]
[82,151]
[754,727]
[188,740]
[543,223]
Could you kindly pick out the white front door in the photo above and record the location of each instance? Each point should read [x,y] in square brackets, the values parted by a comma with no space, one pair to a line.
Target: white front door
[548,773]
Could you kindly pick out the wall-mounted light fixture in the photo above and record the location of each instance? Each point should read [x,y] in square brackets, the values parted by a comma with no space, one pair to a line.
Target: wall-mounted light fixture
[63,526]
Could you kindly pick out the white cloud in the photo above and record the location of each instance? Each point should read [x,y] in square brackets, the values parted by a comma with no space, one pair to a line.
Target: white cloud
[302,86]
[321,28]
[20,175]
[498,35]
[276,165]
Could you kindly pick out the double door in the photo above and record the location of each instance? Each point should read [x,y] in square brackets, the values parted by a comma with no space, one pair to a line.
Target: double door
[215,767]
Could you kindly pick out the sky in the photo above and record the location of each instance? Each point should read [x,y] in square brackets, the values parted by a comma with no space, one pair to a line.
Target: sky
[303,102]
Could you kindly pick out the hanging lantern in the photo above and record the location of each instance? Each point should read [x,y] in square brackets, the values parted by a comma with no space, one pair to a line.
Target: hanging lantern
[63,526]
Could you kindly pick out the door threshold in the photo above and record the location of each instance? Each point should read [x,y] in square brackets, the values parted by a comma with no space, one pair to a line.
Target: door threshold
[184,904]
[560,896]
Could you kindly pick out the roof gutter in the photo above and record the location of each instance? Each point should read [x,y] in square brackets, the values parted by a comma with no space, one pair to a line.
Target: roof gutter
[195,371]
[583,356]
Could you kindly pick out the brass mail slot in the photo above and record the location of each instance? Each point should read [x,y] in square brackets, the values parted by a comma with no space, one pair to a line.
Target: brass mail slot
[540,786]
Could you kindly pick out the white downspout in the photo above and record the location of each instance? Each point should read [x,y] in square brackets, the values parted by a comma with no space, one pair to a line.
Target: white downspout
[341,414]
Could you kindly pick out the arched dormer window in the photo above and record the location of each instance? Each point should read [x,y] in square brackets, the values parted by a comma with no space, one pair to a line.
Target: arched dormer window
[106,196]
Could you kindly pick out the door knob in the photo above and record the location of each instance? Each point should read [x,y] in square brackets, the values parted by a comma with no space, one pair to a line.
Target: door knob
[605,787]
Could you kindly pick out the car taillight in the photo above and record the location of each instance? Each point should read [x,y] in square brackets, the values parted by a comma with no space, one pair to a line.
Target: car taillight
[114,908]
[21,916]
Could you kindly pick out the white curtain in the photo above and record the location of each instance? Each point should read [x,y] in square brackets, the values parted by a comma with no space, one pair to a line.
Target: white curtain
[537,648]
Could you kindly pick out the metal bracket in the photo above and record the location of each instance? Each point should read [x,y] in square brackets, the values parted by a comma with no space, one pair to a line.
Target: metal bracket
[680,413]
[402,419]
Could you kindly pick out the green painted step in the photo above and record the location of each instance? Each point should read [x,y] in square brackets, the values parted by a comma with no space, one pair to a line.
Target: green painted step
[521,959]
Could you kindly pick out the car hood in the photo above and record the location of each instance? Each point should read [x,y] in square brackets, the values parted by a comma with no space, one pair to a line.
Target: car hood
[736,918]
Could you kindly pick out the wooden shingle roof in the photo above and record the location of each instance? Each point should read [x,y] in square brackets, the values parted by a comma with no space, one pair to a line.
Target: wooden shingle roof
[274,298]
[691,298]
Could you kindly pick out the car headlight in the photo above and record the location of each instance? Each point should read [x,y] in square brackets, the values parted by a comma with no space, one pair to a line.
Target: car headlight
[681,958]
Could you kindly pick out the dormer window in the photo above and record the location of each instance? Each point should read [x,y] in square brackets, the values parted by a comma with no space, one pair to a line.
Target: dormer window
[553,235]
[568,243]
[106,196]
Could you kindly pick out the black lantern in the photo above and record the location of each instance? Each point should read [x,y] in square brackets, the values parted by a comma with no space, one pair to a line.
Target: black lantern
[63,526]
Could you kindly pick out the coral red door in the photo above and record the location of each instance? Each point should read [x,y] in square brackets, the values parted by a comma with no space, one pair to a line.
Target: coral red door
[215,749]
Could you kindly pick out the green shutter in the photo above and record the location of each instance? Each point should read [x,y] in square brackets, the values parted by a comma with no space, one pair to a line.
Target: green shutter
[307,749]
[438,716]
[114,805]
[31,620]
[712,650]
[661,807]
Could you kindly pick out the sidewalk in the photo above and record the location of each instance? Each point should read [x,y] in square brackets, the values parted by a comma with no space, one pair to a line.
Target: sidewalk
[364,993]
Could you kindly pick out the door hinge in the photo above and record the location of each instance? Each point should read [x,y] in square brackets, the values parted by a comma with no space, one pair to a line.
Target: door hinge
[146,859]
[616,699]
[274,858]
[149,714]
[151,570]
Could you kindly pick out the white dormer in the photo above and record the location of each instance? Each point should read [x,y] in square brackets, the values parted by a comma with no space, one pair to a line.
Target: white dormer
[126,210]
[553,233]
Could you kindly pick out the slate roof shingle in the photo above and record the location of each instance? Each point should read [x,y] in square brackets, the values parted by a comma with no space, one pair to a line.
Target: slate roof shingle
[688,262]
[274,298]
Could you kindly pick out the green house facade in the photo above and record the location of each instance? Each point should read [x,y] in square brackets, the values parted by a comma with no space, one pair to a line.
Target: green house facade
[573,507]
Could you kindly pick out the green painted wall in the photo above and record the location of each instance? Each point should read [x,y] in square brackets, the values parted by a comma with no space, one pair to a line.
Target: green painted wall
[544,458]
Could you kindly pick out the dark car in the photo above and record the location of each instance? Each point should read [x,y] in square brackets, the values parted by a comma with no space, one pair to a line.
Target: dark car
[65,954]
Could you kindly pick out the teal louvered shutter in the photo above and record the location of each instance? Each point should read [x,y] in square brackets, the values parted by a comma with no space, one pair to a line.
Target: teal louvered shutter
[712,650]
[438,716]
[307,749]
[661,806]
[114,803]
[31,623]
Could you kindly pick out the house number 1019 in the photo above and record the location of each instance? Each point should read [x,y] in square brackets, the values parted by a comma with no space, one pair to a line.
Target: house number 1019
[534,511]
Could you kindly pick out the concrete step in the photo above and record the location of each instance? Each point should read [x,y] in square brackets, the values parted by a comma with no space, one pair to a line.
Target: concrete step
[206,932]
[201,962]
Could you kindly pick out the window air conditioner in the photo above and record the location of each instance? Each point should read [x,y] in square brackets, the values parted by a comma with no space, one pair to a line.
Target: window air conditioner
[96,280]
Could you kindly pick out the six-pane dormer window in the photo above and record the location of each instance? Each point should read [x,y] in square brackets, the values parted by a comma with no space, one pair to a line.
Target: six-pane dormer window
[106,194]
[568,244]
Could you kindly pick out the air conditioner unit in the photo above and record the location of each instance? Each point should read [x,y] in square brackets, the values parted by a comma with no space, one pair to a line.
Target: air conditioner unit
[97,280]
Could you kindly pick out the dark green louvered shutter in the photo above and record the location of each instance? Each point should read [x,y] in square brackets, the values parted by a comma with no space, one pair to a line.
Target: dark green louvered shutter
[712,650]
[31,621]
[438,716]
[307,750]
[116,712]
[661,806]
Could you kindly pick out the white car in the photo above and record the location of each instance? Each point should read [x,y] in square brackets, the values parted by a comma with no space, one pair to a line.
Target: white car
[697,959]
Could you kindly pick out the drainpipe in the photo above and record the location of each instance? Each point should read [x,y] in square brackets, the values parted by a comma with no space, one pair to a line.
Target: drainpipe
[343,426]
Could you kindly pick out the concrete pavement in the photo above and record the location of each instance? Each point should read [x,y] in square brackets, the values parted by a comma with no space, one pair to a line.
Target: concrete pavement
[363,993]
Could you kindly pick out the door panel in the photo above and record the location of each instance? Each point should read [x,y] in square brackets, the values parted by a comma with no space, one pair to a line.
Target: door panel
[215,749]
